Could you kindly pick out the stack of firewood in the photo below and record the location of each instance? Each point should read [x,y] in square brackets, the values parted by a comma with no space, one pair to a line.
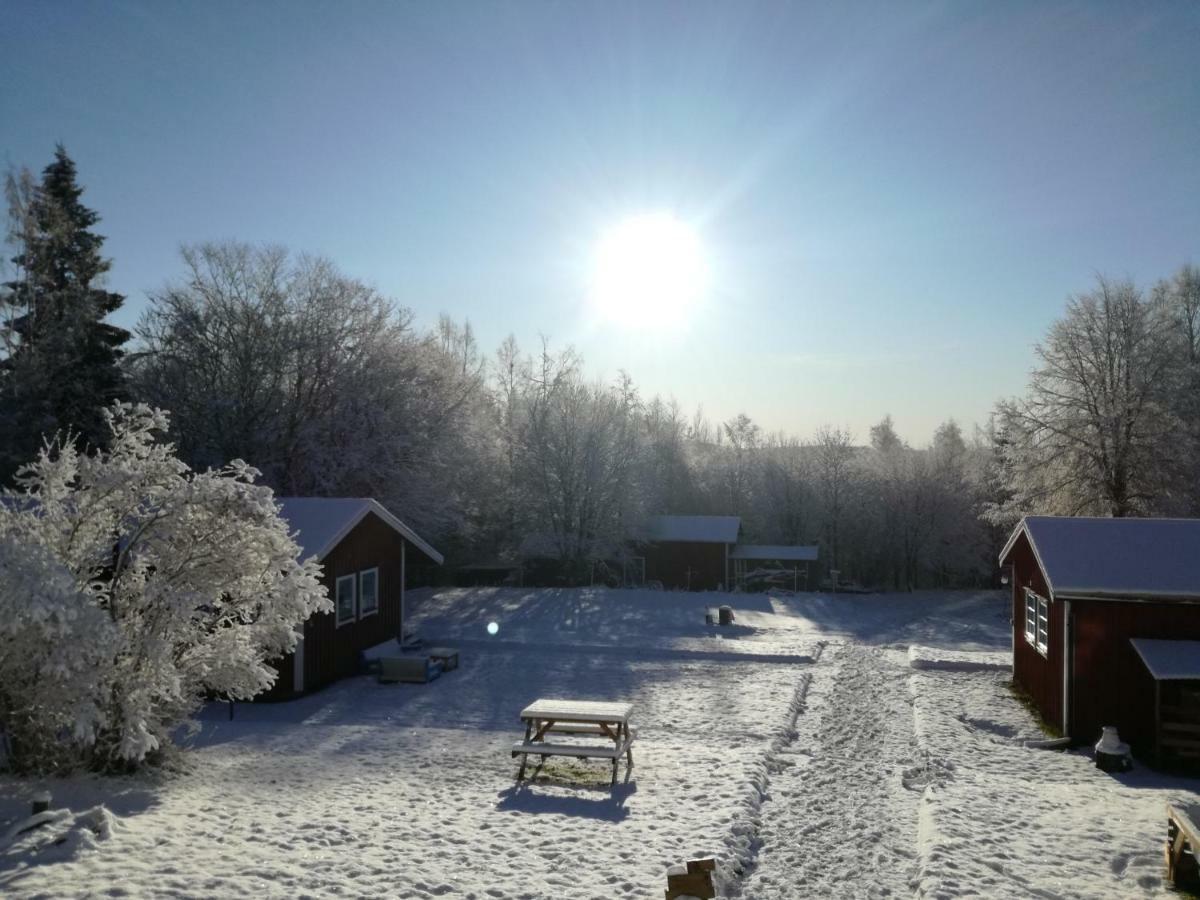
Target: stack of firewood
[693,879]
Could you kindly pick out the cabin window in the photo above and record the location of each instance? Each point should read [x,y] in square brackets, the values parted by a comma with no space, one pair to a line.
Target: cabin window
[345,599]
[368,593]
[1037,621]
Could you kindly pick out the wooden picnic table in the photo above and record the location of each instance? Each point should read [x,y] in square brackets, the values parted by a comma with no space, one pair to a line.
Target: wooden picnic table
[606,722]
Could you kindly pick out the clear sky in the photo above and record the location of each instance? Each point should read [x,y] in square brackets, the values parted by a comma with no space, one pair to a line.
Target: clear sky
[893,200]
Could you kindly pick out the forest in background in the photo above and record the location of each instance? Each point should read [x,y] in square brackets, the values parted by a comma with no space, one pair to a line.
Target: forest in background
[329,388]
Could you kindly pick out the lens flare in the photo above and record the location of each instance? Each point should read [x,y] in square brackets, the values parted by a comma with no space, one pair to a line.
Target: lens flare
[647,271]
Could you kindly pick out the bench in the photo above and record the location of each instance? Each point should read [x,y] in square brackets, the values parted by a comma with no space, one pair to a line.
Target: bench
[1183,842]
[578,718]
[587,728]
[583,751]
[408,669]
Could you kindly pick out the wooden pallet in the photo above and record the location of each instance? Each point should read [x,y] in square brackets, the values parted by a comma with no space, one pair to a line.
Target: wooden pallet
[696,879]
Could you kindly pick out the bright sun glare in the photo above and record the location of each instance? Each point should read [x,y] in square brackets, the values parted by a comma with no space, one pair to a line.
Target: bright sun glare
[647,271]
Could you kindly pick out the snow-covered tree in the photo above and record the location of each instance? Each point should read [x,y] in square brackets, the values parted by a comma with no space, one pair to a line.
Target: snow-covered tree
[324,384]
[59,358]
[1096,432]
[835,453]
[131,588]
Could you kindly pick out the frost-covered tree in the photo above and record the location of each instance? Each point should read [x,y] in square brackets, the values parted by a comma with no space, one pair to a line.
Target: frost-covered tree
[1179,298]
[130,589]
[1096,432]
[322,383]
[59,358]
[834,460]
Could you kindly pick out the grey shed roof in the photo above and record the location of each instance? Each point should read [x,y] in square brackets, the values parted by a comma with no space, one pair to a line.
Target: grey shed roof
[320,523]
[694,529]
[1169,660]
[798,553]
[1113,558]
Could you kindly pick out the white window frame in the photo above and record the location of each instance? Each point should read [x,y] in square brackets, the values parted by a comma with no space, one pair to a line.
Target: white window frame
[1037,622]
[337,599]
[362,614]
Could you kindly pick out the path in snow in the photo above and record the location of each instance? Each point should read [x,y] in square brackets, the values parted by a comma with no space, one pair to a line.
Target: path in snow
[839,820]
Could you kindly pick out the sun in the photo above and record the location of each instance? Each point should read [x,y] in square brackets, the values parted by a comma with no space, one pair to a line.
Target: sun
[648,271]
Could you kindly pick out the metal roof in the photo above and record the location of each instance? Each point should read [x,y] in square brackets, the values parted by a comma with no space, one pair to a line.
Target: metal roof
[1114,558]
[320,523]
[1169,660]
[799,553]
[694,529]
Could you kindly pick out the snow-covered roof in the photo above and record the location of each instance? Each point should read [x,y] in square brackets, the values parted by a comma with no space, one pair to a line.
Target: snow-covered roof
[1093,557]
[1169,660]
[320,523]
[694,529]
[781,552]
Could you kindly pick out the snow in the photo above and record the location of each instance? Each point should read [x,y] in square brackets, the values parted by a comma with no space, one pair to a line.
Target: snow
[1096,557]
[957,660]
[1169,660]
[800,746]
[699,529]
[774,551]
[319,523]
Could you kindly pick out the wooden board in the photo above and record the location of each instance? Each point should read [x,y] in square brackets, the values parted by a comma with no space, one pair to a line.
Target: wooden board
[578,711]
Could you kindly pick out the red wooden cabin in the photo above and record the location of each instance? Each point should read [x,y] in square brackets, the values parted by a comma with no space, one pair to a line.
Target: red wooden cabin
[690,552]
[1083,591]
[365,553]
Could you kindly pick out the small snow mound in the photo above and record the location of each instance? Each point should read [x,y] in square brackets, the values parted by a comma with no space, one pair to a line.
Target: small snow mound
[57,834]
[958,660]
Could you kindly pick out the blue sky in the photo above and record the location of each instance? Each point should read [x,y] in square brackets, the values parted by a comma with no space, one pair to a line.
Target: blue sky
[894,199]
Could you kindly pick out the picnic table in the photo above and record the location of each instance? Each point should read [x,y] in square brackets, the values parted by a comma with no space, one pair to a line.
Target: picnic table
[607,723]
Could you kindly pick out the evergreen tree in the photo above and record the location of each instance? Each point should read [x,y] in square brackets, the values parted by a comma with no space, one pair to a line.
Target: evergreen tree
[62,367]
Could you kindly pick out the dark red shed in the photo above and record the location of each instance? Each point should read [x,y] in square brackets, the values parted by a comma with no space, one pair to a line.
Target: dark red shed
[1084,590]
[365,552]
[690,552]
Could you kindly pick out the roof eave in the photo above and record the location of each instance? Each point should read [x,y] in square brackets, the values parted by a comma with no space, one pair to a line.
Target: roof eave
[1111,596]
[373,506]
[1023,528]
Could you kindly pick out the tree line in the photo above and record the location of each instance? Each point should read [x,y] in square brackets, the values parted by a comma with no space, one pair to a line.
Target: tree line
[327,387]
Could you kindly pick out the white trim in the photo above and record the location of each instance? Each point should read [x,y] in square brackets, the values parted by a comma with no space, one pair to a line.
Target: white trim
[370,612]
[298,663]
[373,506]
[1066,663]
[339,622]
[1037,557]
[1041,615]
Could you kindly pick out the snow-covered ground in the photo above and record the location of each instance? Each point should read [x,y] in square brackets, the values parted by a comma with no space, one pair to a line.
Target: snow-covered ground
[848,746]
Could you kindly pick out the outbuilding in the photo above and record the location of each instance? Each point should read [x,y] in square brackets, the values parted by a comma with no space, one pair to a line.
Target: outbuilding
[1106,628]
[690,552]
[365,553]
[773,561]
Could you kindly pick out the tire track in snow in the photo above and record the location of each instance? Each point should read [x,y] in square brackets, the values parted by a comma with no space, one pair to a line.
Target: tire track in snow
[840,819]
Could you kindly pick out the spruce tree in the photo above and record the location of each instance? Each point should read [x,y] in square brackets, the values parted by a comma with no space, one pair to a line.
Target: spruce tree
[63,362]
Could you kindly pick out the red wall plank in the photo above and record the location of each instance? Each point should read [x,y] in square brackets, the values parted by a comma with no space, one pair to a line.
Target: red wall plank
[1041,677]
[670,562]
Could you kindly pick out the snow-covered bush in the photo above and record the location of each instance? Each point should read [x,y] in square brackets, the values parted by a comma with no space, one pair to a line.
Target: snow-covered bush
[131,588]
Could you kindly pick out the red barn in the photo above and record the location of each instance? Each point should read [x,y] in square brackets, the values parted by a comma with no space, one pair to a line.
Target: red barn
[365,552]
[690,552]
[1106,628]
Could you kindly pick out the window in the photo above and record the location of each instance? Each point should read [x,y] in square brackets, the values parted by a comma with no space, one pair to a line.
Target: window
[345,599]
[368,593]
[1037,621]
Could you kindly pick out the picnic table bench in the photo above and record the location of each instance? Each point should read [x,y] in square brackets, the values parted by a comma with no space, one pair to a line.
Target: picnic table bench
[607,722]
[1183,842]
